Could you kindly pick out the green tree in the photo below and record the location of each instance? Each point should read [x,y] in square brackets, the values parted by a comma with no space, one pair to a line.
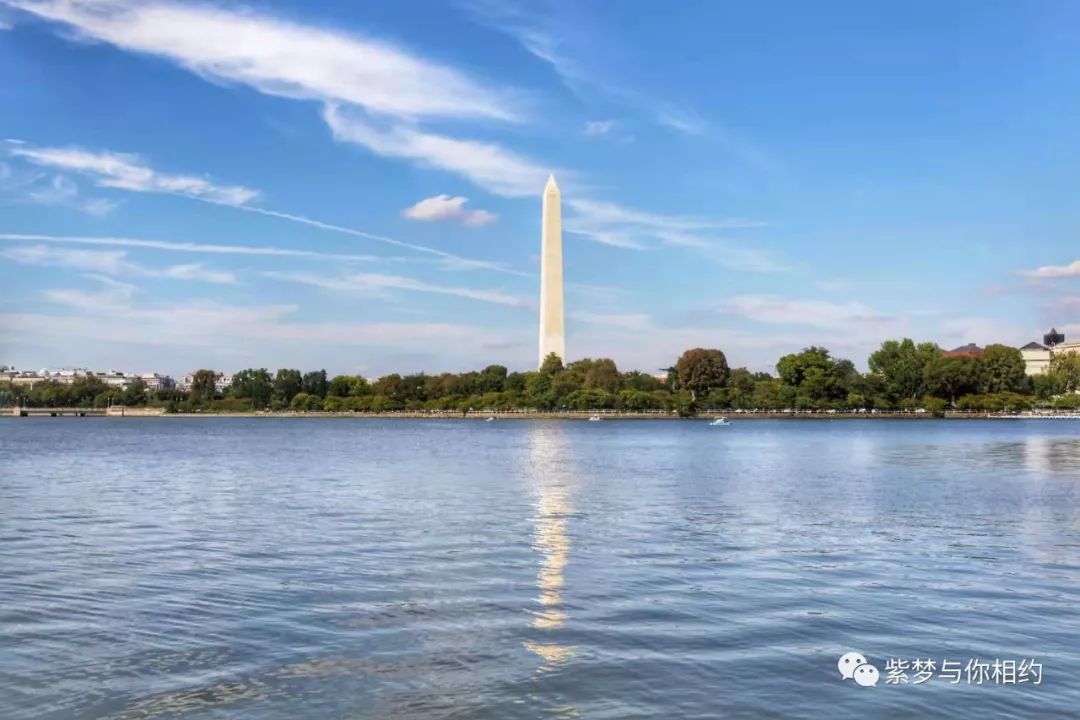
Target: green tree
[934,405]
[794,368]
[538,390]
[599,374]
[515,382]
[348,386]
[766,395]
[1001,369]
[306,402]
[951,377]
[1067,402]
[562,384]
[740,388]
[700,370]
[414,387]
[813,380]
[492,379]
[1047,385]
[1065,369]
[590,399]
[253,384]
[203,386]
[636,400]
[393,388]
[287,382]
[315,383]
[903,365]
[135,394]
[635,380]
[552,364]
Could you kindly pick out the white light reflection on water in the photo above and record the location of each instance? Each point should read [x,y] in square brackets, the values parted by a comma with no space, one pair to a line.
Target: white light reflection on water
[548,458]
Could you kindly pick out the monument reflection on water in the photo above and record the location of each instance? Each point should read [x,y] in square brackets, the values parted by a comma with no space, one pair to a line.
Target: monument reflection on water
[548,462]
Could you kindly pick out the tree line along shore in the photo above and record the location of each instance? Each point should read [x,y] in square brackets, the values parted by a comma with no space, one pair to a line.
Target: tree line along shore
[902,377]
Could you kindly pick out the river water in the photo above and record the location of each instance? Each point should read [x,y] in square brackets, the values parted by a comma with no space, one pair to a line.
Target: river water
[339,568]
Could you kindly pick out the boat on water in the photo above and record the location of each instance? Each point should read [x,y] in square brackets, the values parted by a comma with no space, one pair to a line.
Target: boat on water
[594,418]
[490,419]
[720,421]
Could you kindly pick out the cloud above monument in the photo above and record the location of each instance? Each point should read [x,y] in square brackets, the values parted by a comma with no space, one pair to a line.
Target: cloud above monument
[445,207]
[280,57]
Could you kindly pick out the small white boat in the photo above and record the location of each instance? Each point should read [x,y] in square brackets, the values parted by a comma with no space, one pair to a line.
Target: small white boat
[490,419]
[720,421]
[594,418]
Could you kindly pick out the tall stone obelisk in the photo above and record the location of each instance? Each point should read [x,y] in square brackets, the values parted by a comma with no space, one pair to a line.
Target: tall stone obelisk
[552,335]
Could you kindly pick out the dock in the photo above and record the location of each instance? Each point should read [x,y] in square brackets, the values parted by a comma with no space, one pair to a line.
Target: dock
[57,412]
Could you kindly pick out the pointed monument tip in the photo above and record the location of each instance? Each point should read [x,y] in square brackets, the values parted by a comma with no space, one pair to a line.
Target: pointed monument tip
[551,183]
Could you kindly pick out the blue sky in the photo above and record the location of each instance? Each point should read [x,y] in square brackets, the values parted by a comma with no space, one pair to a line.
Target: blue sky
[356,186]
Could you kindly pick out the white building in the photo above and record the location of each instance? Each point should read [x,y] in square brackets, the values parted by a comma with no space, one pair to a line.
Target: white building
[154,381]
[67,376]
[1037,356]
[221,382]
[115,378]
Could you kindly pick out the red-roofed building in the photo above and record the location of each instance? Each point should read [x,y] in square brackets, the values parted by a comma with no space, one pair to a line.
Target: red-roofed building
[969,350]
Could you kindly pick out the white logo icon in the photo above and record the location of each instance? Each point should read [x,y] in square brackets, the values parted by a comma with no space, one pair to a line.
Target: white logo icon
[853,666]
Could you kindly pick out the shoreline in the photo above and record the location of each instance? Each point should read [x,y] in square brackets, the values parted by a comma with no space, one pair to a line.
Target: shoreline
[145,413]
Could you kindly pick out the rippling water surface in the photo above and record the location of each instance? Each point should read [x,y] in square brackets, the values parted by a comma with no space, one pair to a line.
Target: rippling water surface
[275,568]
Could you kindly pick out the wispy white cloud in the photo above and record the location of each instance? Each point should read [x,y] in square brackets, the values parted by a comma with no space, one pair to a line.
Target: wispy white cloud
[110,262]
[488,165]
[444,207]
[40,188]
[187,247]
[728,253]
[608,213]
[604,237]
[774,309]
[112,294]
[1053,271]
[625,227]
[560,39]
[125,171]
[373,94]
[195,271]
[107,262]
[130,172]
[681,120]
[279,57]
[529,27]
[59,190]
[376,283]
[595,128]
[625,321]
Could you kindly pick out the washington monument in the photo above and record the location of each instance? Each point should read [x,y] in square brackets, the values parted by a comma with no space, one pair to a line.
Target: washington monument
[552,335]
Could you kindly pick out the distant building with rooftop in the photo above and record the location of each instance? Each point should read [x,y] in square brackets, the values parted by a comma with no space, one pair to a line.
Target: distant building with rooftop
[1037,356]
[969,350]
[67,376]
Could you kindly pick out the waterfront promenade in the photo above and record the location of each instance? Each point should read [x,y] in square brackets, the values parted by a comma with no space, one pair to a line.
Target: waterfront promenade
[150,412]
